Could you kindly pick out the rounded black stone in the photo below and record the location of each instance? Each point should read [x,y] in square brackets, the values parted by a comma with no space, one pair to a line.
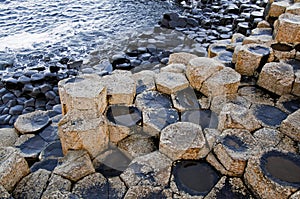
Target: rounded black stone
[16,110]
[283,168]
[155,100]
[74,64]
[195,177]
[4,119]
[269,115]
[205,118]
[124,115]
[45,87]
[7,97]
[47,164]
[50,95]
[37,77]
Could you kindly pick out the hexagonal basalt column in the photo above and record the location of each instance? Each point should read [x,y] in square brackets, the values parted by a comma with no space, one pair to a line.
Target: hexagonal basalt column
[154,120]
[81,130]
[85,92]
[181,58]
[234,149]
[182,140]
[185,99]
[200,69]
[277,8]
[169,83]
[123,121]
[290,126]
[224,82]
[283,51]
[237,116]
[121,87]
[287,28]
[294,9]
[296,85]
[274,174]
[250,57]
[151,169]
[277,78]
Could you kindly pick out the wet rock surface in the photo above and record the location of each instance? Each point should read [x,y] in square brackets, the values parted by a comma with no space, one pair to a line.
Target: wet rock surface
[247,122]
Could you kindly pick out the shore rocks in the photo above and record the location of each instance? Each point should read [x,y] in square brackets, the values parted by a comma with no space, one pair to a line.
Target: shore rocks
[151,169]
[13,168]
[33,185]
[83,93]
[79,130]
[75,165]
[121,87]
[32,122]
[290,126]
[250,57]
[287,28]
[200,69]
[182,140]
[277,78]
[264,174]
[170,83]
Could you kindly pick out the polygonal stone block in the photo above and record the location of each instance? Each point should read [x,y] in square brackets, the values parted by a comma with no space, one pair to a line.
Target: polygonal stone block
[291,126]
[250,57]
[137,145]
[174,68]
[287,28]
[170,83]
[33,185]
[215,49]
[277,78]
[144,81]
[181,58]
[120,86]
[13,167]
[84,92]
[234,149]
[200,69]
[122,121]
[267,137]
[273,174]
[32,122]
[296,85]
[80,130]
[223,82]
[154,120]
[294,9]
[277,8]
[231,187]
[152,100]
[182,140]
[75,165]
[185,99]
[151,169]
[283,51]
[237,116]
